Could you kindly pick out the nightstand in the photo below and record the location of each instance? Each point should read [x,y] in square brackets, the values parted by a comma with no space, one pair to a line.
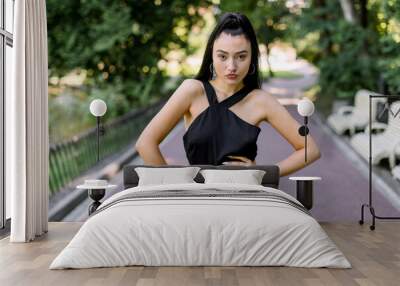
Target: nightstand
[304,190]
[96,191]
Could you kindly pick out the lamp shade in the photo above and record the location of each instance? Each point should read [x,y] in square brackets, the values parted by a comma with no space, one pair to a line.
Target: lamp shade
[305,107]
[98,107]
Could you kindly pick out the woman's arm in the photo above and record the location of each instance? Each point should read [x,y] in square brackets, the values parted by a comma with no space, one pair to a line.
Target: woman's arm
[164,121]
[287,126]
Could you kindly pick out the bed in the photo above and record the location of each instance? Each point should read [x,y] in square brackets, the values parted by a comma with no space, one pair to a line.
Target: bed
[201,224]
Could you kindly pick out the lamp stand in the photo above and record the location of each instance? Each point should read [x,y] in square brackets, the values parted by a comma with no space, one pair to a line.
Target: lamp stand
[369,205]
[305,137]
[303,131]
[98,138]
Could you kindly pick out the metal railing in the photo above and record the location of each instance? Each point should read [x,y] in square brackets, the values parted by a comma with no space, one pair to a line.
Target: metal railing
[68,160]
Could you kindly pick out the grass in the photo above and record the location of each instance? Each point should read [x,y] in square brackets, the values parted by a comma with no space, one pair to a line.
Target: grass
[282,74]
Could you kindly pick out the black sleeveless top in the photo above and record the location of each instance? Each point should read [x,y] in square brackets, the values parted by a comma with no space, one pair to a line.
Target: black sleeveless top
[218,132]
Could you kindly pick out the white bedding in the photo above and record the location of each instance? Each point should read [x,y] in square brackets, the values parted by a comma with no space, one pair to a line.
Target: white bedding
[227,231]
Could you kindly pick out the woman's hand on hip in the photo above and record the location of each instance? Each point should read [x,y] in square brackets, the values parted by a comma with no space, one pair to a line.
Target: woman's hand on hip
[240,160]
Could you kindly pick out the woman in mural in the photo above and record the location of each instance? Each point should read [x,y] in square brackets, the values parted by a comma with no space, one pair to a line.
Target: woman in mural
[224,105]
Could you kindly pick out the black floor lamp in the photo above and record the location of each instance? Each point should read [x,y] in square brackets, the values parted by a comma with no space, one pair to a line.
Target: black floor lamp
[369,205]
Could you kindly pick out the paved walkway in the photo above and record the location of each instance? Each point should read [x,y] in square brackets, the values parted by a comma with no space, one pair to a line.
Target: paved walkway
[344,185]
[293,88]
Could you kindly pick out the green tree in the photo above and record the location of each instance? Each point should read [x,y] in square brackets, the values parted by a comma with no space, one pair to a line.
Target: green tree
[118,41]
[344,50]
[387,22]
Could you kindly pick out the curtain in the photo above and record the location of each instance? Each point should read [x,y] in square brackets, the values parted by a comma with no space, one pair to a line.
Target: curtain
[27,141]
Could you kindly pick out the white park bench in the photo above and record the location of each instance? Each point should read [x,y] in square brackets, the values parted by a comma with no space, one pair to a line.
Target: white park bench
[396,172]
[385,144]
[354,117]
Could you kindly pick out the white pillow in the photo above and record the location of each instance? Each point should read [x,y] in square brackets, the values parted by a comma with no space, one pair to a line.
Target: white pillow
[249,177]
[162,176]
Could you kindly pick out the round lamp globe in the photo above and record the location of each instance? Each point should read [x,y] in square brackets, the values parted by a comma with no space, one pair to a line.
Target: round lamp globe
[305,107]
[98,107]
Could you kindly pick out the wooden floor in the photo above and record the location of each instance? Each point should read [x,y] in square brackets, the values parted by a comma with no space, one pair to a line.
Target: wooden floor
[374,255]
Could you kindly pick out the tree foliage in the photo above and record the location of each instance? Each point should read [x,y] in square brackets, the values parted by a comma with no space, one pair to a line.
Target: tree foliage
[350,55]
[121,41]
[387,21]
[343,51]
[117,41]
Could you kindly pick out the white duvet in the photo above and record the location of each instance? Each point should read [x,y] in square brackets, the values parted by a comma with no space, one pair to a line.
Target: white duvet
[200,231]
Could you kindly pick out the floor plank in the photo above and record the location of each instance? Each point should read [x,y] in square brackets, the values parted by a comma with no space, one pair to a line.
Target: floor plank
[374,255]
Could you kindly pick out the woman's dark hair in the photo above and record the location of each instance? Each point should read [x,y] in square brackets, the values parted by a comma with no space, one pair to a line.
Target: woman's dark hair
[233,24]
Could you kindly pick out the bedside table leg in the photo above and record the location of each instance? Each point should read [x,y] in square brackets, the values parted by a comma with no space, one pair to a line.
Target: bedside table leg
[96,195]
[304,193]
[93,207]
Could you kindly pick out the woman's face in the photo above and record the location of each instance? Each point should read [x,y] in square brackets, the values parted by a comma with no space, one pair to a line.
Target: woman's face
[231,57]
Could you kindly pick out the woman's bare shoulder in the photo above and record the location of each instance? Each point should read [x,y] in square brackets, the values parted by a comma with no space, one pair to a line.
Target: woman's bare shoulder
[193,86]
[266,104]
[264,98]
[187,91]
[193,81]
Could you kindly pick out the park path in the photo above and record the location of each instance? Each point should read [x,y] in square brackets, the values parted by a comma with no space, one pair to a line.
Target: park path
[344,186]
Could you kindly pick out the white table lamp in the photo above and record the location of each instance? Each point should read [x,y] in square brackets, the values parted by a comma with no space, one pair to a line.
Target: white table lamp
[305,108]
[98,108]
